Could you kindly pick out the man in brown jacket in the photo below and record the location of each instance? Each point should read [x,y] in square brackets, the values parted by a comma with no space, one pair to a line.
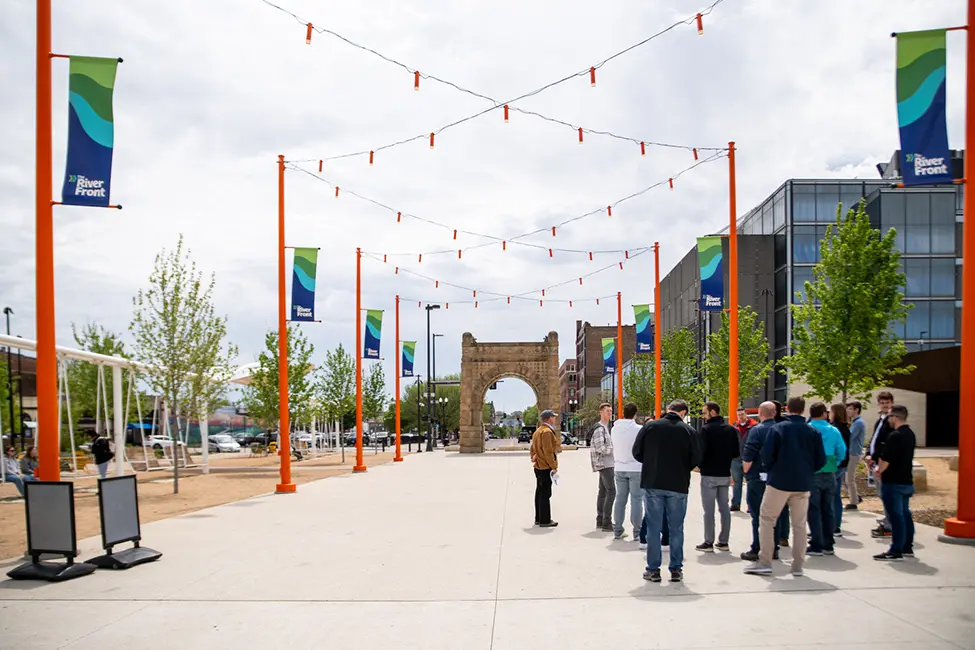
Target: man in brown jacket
[545,444]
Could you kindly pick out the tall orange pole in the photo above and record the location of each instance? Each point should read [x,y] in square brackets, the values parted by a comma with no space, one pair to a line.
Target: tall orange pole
[619,354]
[399,371]
[732,287]
[963,524]
[49,468]
[360,465]
[658,390]
[284,428]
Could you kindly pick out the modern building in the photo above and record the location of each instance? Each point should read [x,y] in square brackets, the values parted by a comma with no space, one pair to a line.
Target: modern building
[778,246]
[568,387]
[589,354]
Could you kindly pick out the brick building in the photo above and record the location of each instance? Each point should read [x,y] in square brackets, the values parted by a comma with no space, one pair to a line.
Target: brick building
[568,387]
[589,354]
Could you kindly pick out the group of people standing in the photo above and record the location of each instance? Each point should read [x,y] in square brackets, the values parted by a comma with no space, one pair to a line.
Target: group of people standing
[788,469]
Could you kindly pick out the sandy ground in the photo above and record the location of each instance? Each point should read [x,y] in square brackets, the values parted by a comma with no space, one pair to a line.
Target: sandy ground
[929,507]
[234,477]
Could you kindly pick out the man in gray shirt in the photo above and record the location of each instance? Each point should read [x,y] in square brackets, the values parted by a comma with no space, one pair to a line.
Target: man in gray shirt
[858,435]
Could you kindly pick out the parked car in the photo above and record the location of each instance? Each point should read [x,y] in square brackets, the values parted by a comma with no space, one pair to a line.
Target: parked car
[524,436]
[158,442]
[244,438]
[222,442]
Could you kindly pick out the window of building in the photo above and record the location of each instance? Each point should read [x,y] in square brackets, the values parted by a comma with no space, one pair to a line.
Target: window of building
[850,196]
[781,288]
[892,210]
[572,392]
[800,274]
[943,238]
[919,320]
[778,210]
[803,203]
[767,218]
[943,277]
[781,381]
[942,207]
[805,245]
[781,321]
[918,208]
[780,244]
[942,319]
[827,198]
[918,272]
[917,238]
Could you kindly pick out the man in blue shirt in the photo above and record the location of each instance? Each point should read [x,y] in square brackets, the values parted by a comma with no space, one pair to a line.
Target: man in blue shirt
[858,437]
[792,453]
[822,521]
[751,457]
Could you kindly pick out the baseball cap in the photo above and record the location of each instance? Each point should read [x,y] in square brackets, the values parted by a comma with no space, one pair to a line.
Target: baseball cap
[546,414]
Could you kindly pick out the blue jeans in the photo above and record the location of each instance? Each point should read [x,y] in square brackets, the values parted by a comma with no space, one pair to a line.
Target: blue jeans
[664,533]
[628,486]
[674,504]
[753,497]
[738,476]
[821,521]
[897,502]
[838,498]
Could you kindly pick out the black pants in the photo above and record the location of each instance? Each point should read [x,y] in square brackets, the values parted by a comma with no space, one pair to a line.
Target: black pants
[543,493]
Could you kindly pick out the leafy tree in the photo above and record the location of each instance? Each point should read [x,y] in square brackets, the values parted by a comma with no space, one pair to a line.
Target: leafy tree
[639,383]
[178,334]
[587,414]
[843,341]
[753,362]
[374,392]
[488,413]
[678,374]
[7,422]
[336,385]
[261,396]
[530,416]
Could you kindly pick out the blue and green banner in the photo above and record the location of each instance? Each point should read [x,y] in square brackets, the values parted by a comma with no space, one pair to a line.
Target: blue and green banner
[925,158]
[712,273]
[643,338]
[609,356]
[409,351]
[303,284]
[91,132]
[374,328]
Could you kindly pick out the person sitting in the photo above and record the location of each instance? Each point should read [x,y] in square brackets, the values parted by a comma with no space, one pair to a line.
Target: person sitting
[28,464]
[12,471]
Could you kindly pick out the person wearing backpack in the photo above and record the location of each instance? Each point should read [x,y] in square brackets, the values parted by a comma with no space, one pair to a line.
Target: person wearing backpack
[102,452]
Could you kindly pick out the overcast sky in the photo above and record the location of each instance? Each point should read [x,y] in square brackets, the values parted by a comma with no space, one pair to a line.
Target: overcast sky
[210,93]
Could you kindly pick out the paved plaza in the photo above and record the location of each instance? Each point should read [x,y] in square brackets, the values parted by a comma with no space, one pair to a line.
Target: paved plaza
[439,552]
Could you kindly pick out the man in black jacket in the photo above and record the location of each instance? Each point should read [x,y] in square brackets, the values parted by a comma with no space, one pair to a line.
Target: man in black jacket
[720,448]
[668,450]
[881,429]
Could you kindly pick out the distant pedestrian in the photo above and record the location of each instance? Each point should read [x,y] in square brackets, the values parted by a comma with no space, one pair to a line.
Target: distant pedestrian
[29,463]
[601,456]
[858,435]
[742,425]
[11,470]
[755,475]
[627,474]
[895,468]
[792,453]
[720,441]
[838,418]
[822,522]
[102,452]
[881,429]
[542,452]
[669,449]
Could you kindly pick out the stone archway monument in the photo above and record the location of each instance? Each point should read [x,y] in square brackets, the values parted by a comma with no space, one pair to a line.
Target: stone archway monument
[482,364]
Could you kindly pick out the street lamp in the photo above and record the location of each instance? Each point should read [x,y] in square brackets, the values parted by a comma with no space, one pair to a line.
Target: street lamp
[442,402]
[419,405]
[429,308]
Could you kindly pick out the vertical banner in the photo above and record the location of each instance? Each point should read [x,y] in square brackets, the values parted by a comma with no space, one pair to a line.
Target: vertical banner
[643,339]
[374,328]
[925,158]
[91,132]
[712,273]
[609,356]
[409,350]
[303,284]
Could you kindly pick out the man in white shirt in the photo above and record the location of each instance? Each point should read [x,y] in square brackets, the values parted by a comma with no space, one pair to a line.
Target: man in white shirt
[627,473]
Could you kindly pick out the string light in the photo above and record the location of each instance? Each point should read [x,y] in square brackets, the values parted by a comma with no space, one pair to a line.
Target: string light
[543,293]
[580,282]
[671,181]
[419,258]
[504,245]
[416,80]
[592,77]
[609,210]
[590,257]
[458,254]
[436,284]
[384,259]
[336,191]
[553,231]
[320,166]
[431,139]
[308,35]
[399,217]
[700,25]
[643,148]
[505,112]
[570,303]
[455,234]
[627,254]
[550,252]
[580,135]
[694,149]
[539,303]
[371,154]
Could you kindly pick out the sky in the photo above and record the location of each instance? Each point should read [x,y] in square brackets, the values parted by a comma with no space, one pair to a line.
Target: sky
[210,93]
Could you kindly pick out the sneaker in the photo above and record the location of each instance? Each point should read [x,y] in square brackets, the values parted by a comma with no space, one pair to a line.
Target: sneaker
[705,547]
[837,533]
[908,552]
[757,569]
[784,543]
[736,508]
[880,532]
[722,547]
[851,506]
[643,546]
[551,524]
[618,536]
[828,551]
[814,552]
[797,573]
[652,576]
[676,575]
[889,557]
[748,556]
[665,542]
[607,529]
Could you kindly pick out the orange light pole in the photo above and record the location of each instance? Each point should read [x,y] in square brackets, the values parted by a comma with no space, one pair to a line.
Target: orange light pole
[49,468]
[658,390]
[399,454]
[360,466]
[962,525]
[284,427]
[732,287]
[619,352]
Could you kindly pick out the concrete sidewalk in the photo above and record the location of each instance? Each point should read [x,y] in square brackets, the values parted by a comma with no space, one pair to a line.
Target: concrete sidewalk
[439,552]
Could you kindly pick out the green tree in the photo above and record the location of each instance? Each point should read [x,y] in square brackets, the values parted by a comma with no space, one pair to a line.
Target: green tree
[843,340]
[587,415]
[639,383]
[7,421]
[373,392]
[678,374]
[488,413]
[530,416]
[754,365]
[336,385]
[261,396]
[178,334]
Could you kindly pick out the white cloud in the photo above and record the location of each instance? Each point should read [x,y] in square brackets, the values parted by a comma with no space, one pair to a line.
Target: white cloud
[211,92]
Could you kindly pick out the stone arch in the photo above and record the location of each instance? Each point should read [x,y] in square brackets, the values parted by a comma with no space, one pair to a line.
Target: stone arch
[482,364]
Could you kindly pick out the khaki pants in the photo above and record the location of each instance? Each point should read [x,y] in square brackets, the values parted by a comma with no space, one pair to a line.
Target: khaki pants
[851,479]
[772,503]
